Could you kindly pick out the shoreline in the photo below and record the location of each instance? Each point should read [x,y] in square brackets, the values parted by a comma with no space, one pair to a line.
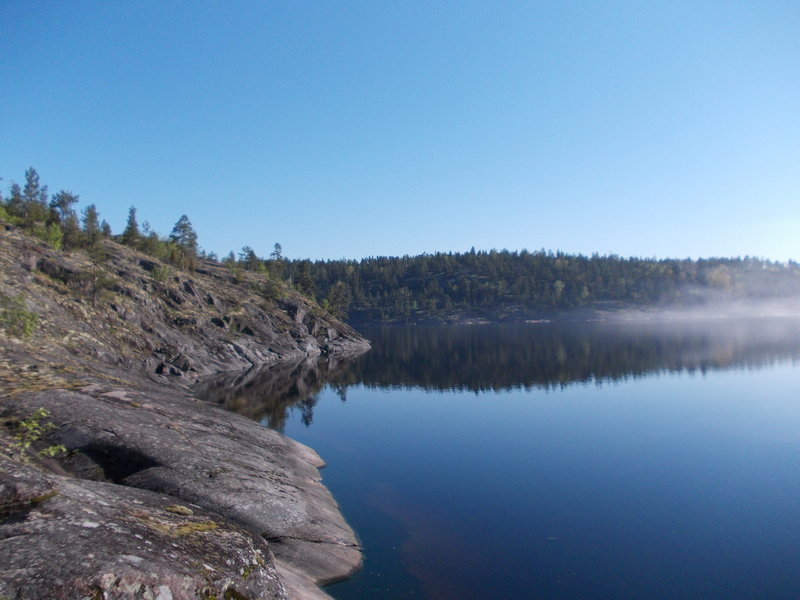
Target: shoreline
[198,456]
[158,495]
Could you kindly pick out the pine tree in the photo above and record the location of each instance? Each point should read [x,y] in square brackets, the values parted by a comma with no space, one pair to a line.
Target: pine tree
[91,225]
[73,236]
[34,197]
[339,300]
[16,204]
[131,235]
[61,206]
[183,235]
[184,244]
[303,281]
[249,259]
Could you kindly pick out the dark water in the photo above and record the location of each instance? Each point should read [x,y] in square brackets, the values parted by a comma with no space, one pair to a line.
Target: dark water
[586,461]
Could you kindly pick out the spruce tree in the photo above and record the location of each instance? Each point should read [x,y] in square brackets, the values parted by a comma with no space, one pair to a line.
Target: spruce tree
[34,197]
[131,234]
[91,225]
[73,236]
[15,206]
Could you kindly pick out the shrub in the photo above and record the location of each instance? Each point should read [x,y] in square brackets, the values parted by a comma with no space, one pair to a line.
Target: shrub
[31,430]
[51,234]
[266,288]
[160,273]
[15,318]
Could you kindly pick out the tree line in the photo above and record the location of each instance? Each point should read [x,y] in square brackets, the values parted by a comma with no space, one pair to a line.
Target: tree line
[503,284]
[492,284]
[55,220]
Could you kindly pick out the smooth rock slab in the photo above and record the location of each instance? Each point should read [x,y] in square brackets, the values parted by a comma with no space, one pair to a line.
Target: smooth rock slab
[159,440]
[69,538]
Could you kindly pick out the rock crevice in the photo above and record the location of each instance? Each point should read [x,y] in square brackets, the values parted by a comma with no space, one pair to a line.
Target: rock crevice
[159,494]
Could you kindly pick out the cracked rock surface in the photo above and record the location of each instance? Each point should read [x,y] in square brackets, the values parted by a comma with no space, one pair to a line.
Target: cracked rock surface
[159,495]
[67,538]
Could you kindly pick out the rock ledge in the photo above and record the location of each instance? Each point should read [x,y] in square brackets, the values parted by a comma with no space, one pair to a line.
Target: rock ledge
[159,495]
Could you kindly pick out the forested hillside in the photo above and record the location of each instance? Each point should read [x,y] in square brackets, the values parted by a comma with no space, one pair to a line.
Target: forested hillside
[513,285]
[491,285]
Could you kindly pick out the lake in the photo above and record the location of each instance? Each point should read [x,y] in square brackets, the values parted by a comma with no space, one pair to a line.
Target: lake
[546,461]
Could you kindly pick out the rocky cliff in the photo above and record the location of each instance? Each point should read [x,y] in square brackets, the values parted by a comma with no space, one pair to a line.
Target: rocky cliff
[156,494]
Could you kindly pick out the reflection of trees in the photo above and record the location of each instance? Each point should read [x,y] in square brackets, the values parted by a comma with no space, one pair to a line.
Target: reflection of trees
[491,357]
[502,357]
[267,394]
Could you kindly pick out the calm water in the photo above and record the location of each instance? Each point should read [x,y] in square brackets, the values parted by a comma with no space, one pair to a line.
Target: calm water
[558,462]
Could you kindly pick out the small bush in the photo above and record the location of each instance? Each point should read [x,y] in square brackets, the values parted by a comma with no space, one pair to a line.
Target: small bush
[15,318]
[266,288]
[33,429]
[51,234]
[160,273]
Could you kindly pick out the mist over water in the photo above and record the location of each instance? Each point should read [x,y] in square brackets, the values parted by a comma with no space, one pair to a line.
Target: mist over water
[710,305]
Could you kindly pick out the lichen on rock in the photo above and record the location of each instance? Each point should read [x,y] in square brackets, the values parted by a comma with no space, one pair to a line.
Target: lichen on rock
[159,495]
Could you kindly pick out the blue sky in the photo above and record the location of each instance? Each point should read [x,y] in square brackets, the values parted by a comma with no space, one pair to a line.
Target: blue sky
[354,129]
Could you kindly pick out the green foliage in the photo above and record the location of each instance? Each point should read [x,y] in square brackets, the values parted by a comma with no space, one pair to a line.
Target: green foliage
[16,204]
[52,451]
[250,262]
[236,272]
[98,282]
[183,234]
[303,280]
[72,234]
[61,206]
[31,430]
[91,225]
[160,273]
[180,256]
[54,236]
[34,200]
[51,234]
[496,284]
[183,245]
[28,207]
[15,318]
[338,300]
[57,223]
[131,234]
[267,288]
[151,244]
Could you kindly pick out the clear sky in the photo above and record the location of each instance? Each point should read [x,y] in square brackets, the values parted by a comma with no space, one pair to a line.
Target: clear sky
[354,129]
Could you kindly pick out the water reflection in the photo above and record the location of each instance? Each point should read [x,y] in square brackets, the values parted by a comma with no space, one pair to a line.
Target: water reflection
[504,357]
[483,358]
[268,394]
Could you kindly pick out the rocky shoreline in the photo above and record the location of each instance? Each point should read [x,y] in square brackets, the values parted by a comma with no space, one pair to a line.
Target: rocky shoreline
[159,495]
